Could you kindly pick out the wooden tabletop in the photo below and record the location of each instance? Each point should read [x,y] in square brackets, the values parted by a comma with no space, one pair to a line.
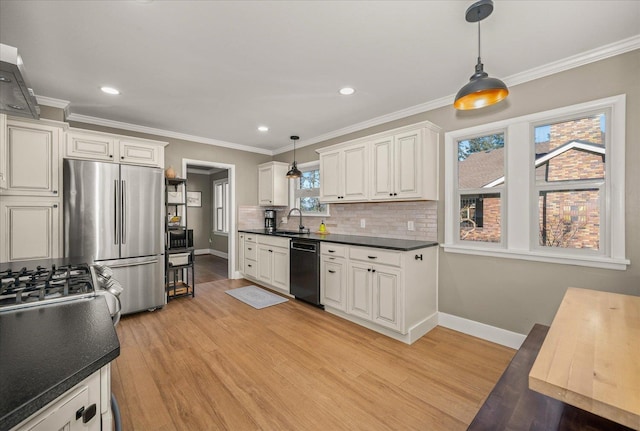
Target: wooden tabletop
[591,355]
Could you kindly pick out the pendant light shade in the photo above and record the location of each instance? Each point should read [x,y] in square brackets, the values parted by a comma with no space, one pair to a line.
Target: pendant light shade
[481,90]
[294,172]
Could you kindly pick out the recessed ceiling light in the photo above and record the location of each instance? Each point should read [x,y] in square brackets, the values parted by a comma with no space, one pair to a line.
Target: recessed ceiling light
[347,91]
[109,90]
[263,128]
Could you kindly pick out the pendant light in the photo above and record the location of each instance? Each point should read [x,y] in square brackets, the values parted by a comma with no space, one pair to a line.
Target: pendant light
[294,172]
[481,90]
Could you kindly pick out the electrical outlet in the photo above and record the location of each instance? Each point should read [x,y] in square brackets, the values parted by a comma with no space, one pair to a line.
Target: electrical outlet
[363,224]
[410,225]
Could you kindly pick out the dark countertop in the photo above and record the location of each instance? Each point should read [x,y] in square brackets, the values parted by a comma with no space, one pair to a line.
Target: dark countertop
[364,241]
[46,350]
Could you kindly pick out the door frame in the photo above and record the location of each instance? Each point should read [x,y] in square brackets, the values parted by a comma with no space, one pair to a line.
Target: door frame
[231,255]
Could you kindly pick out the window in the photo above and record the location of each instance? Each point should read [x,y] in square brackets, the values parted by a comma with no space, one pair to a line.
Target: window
[306,191]
[547,186]
[221,206]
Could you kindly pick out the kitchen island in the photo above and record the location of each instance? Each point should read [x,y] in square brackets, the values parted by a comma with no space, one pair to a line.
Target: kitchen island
[47,350]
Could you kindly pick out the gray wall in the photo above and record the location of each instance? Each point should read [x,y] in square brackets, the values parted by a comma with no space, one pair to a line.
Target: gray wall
[515,294]
[219,242]
[199,218]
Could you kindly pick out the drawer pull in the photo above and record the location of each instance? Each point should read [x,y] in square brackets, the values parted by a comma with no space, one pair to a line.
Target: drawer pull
[331,251]
[331,271]
[249,248]
[372,257]
[418,257]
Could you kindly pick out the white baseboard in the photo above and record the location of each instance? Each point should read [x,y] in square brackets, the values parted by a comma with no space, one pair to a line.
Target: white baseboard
[481,330]
[211,251]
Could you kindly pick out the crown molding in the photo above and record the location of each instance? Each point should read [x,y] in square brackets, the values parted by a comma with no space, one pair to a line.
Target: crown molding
[591,56]
[165,133]
[54,103]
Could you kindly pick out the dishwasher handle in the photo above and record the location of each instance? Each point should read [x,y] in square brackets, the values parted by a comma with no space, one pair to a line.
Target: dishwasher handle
[304,246]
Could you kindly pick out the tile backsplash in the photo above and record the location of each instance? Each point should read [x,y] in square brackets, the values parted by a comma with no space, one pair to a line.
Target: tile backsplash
[382,219]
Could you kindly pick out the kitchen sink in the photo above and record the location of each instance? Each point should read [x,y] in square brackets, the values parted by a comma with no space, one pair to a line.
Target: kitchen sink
[290,233]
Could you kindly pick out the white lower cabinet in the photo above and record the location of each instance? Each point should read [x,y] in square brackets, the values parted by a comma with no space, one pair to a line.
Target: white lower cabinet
[266,260]
[30,229]
[392,292]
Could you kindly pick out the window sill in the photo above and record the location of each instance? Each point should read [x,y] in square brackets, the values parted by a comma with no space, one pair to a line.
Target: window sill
[590,261]
[314,215]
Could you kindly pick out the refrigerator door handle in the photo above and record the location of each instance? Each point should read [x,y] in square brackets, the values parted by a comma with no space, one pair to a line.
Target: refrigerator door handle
[116,228]
[123,221]
[125,265]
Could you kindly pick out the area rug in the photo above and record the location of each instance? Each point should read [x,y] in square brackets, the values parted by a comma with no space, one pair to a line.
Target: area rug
[256,297]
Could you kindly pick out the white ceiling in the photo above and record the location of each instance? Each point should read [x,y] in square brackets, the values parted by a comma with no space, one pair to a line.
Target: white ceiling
[219,69]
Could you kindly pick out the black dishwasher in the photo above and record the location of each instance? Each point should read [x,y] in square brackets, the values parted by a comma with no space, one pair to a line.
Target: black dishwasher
[305,270]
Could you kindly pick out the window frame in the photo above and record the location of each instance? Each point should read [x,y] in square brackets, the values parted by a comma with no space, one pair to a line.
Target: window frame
[293,186]
[522,243]
[501,190]
[225,207]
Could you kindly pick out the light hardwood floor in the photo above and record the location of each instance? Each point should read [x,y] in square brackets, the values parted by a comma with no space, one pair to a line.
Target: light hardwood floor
[213,363]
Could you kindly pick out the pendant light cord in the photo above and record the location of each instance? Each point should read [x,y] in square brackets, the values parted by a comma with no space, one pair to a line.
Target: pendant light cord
[479,60]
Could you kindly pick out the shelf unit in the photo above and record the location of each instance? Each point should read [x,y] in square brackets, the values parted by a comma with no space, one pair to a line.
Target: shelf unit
[178,254]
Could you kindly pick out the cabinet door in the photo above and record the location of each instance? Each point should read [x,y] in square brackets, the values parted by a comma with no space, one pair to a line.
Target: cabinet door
[265,264]
[387,297]
[333,283]
[30,230]
[359,291]
[141,153]
[382,164]
[280,274]
[32,163]
[241,253]
[82,145]
[3,152]
[265,185]
[330,177]
[354,173]
[407,165]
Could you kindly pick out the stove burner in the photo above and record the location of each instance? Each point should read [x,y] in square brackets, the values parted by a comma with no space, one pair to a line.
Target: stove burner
[27,286]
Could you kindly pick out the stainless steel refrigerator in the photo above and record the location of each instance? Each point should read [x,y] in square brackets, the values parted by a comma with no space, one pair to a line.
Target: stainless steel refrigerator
[114,215]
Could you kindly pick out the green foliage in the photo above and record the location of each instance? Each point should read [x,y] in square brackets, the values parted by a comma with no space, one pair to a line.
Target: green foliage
[481,143]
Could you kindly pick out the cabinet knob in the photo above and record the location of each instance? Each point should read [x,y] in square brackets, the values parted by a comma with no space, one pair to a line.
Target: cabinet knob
[368,269]
[55,192]
[122,157]
[373,270]
[55,205]
[249,266]
[390,194]
[111,156]
[395,194]
[270,251]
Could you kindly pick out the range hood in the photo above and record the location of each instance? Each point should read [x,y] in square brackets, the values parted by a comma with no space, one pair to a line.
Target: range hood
[16,98]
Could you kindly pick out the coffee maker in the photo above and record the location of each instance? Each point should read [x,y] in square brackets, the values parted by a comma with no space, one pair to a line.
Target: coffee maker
[270,220]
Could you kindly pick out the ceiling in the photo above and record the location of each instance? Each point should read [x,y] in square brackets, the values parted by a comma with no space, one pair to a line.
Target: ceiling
[216,70]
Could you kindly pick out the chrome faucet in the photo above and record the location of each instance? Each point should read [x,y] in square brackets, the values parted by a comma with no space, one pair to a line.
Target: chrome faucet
[300,226]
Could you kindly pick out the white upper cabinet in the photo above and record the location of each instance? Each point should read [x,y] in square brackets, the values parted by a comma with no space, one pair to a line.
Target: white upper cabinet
[88,145]
[29,151]
[403,166]
[397,167]
[273,184]
[85,144]
[141,152]
[343,174]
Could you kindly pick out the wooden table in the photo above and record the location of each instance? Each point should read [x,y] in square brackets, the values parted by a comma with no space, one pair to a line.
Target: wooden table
[591,355]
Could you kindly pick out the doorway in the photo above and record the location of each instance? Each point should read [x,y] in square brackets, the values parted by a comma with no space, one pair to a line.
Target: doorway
[212,241]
